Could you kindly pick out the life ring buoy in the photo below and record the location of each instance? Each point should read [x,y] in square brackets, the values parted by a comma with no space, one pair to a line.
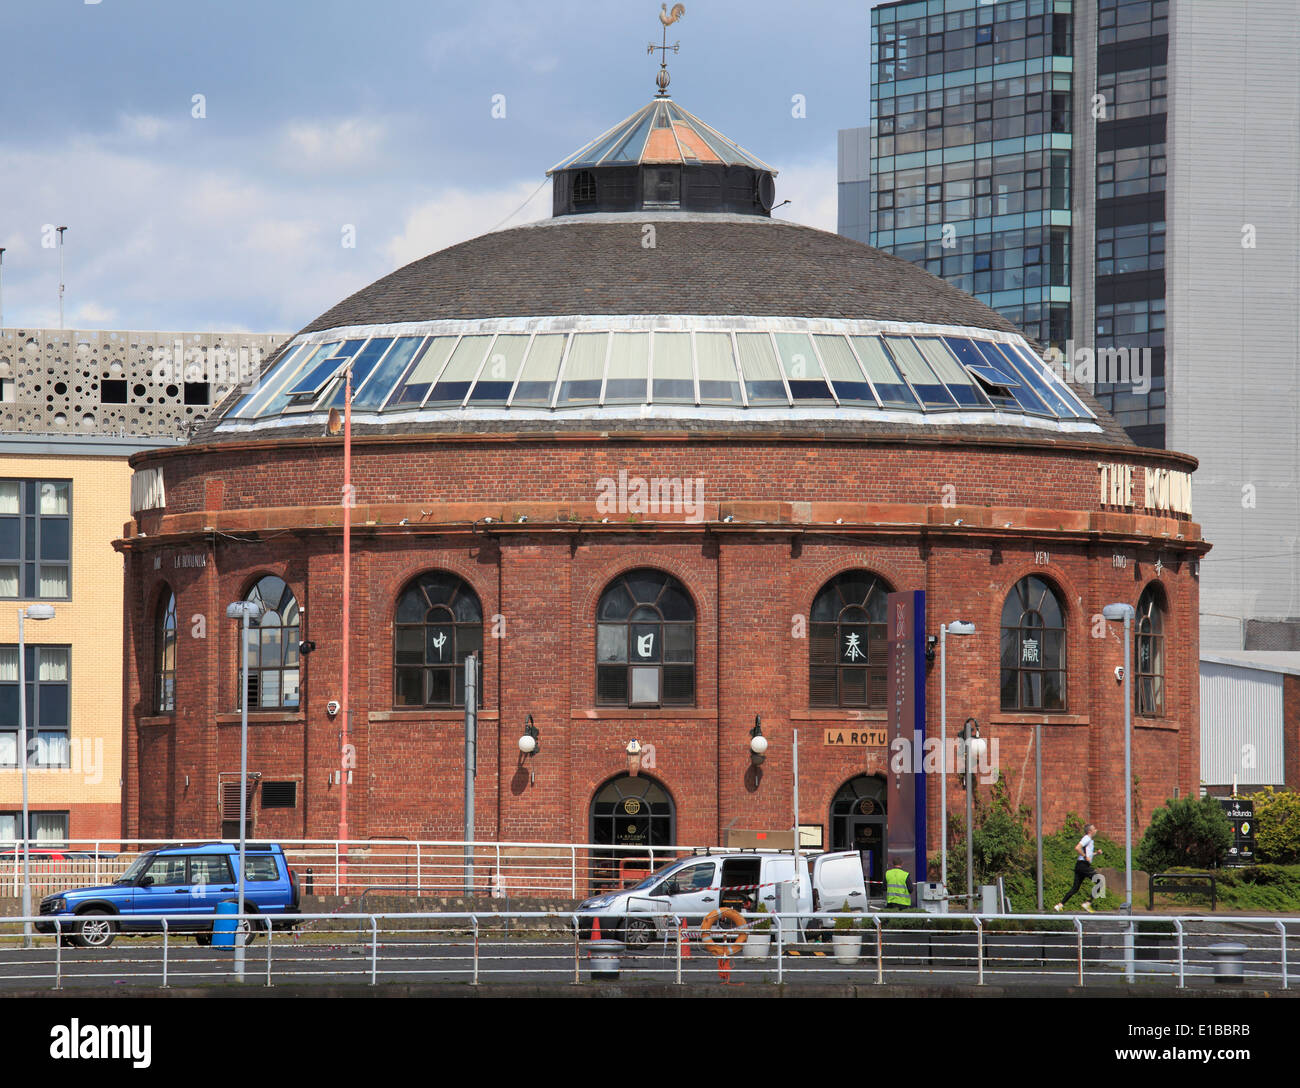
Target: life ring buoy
[735,937]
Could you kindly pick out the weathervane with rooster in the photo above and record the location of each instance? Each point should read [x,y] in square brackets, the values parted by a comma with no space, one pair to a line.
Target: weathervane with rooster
[667,18]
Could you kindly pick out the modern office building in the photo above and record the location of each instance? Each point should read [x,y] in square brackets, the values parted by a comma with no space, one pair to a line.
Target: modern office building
[1119,178]
[74,406]
[971,163]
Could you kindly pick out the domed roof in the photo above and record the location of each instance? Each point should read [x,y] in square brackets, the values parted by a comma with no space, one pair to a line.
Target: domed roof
[689,263]
[673,316]
[663,320]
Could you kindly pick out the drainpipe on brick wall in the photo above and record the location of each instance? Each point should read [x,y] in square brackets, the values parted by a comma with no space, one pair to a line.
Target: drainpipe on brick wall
[347,623]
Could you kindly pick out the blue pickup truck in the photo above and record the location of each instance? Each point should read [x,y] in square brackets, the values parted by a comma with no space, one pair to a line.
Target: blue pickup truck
[185,883]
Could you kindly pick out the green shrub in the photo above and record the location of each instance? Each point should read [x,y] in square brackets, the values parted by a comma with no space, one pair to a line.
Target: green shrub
[1186,831]
[1058,869]
[848,919]
[1277,827]
[1009,853]
[1260,887]
[1002,845]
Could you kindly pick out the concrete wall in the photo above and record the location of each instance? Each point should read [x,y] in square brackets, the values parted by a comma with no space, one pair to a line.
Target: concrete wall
[52,381]
[854,177]
[1233,337]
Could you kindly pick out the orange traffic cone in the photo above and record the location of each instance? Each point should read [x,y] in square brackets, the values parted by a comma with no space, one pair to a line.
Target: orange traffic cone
[595,929]
[686,942]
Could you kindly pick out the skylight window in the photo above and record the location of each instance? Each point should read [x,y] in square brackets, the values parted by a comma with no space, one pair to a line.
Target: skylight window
[719,381]
[842,368]
[497,378]
[929,388]
[307,388]
[381,383]
[763,384]
[715,365]
[802,369]
[428,365]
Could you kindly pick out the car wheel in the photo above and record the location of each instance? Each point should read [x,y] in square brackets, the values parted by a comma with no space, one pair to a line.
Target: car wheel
[96,929]
[638,932]
[247,930]
[203,939]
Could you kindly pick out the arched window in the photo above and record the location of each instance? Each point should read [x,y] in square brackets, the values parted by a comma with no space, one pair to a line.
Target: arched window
[1151,653]
[164,652]
[1033,647]
[847,642]
[272,681]
[584,188]
[439,623]
[645,642]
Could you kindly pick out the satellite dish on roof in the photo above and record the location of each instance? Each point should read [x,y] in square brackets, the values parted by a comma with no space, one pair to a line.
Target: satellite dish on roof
[335,423]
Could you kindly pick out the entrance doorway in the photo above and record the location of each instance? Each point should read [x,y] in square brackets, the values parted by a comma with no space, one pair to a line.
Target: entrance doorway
[858,822]
[630,813]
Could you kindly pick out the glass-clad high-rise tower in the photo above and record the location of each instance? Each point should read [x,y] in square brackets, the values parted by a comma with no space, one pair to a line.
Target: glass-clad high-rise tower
[971,161]
[1019,153]
[1122,179]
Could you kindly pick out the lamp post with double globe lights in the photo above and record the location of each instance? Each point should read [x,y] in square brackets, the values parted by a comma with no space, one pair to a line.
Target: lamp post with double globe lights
[957,627]
[246,612]
[31,612]
[1115,613]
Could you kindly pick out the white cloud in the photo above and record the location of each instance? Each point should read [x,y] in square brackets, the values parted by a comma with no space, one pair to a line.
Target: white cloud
[142,128]
[342,144]
[91,315]
[812,189]
[518,42]
[456,215]
[153,243]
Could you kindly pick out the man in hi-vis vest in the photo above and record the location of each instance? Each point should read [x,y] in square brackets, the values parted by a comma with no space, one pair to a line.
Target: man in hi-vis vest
[898,888]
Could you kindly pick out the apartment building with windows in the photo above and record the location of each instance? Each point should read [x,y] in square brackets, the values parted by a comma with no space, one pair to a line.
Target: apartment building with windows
[74,406]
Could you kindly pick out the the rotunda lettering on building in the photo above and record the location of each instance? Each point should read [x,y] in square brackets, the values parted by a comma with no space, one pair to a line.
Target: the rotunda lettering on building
[1154,488]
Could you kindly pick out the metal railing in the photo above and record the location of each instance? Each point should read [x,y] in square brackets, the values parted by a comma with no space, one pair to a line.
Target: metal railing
[536,946]
[333,867]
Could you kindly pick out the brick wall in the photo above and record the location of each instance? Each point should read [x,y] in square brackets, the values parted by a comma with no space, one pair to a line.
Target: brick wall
[538,585]
[1291,731]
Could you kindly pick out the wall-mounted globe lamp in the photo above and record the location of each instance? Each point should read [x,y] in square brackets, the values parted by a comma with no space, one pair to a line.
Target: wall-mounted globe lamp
[757,743]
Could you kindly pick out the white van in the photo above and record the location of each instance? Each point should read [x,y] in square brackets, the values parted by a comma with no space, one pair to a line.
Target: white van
[694,887]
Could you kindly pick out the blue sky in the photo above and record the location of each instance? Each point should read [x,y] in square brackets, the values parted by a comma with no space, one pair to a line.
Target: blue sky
[373,114]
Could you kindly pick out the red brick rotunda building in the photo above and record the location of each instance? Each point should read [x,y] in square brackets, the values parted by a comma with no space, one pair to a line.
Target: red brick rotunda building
[657,461]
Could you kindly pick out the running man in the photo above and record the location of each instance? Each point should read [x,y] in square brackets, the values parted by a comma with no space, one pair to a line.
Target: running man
[1083,870]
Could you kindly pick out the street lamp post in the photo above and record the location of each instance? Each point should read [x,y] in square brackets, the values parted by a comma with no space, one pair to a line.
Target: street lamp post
[31,612]
[957,627]
[973,746]
[61,231]
[1125,612]
[245,612]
